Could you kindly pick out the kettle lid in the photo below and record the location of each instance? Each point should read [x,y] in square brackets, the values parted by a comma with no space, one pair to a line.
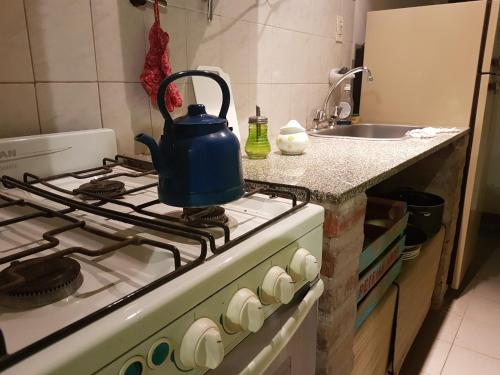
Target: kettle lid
[197,115]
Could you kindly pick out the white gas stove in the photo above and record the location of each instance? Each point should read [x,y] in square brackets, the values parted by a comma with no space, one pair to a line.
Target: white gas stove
[99,277]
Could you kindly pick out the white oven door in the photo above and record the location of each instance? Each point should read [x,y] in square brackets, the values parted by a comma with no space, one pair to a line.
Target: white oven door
[285,345]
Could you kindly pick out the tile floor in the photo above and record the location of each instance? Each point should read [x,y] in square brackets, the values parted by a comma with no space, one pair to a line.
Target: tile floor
[463,338]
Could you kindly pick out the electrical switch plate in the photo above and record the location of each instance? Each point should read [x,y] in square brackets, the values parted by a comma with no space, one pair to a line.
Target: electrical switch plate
[339,33]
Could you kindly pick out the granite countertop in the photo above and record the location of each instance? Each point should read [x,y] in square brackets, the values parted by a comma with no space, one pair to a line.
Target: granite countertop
[336,169]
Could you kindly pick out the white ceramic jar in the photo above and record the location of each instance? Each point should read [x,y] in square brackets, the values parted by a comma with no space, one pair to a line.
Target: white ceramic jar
[292,139]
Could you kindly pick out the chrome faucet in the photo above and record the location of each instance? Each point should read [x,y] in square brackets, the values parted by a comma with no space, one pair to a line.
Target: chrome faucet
[322,114]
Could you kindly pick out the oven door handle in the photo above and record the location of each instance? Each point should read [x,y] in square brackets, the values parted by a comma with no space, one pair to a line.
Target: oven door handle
[267,355]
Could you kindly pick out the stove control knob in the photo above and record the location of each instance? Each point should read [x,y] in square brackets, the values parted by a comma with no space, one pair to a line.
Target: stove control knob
[244,312]
[304,266]
[202,346]
[277,287]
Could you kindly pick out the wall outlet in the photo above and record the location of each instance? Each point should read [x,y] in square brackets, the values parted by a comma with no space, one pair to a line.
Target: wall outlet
[339,33]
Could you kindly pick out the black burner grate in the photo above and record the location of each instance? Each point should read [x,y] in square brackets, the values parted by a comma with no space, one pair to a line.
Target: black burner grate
[143,217]
[137,169]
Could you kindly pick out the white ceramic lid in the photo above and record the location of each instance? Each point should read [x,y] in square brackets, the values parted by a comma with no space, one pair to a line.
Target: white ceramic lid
[292,127]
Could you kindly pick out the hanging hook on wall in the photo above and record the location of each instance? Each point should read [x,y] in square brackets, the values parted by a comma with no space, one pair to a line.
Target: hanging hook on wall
[210,10]
[139,3]
[163,4]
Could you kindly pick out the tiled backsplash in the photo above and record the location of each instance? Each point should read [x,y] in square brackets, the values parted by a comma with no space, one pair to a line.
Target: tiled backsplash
[75,64]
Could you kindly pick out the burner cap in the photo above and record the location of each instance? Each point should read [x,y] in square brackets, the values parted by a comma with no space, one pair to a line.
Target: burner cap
[46,281]
[102,188]
[201,217]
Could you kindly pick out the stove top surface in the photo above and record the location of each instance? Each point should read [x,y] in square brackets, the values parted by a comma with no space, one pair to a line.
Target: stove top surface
[82,250]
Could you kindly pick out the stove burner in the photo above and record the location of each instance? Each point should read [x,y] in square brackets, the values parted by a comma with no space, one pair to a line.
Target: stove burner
[201,217]
[45,281]
[101,188]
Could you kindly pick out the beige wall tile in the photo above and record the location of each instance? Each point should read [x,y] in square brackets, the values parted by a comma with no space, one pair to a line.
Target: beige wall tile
[125,109]
[119,40]
[301,60]
[299,106]
[260,51]
[282,55]
[173,21]
[241,9]
[260,94]
[348,13]
[18,112]
[278,54]
[305,99]
[333,53]
[196,5]
[292,14]
[204,42]
[312,58]
[346,53]
[235,49]
[279,114]
[61,40]
[323,17]
[15,62]
[321,59]
[256,11]
[68,106]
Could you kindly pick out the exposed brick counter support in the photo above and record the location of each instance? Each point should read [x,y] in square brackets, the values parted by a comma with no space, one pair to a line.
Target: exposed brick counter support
[342,246]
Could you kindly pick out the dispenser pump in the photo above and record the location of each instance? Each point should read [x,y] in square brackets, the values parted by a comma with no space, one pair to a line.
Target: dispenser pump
[257,119]
[257,145]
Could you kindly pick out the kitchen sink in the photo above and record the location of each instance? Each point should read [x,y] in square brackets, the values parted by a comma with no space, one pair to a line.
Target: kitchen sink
[365,131]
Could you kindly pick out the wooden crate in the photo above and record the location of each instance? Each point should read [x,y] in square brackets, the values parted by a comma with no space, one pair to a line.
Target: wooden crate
[377,240]
[370,302]
[379,267]
[416,285]
[372,341]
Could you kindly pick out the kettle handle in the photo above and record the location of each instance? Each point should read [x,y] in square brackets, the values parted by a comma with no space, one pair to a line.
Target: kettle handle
[204,73]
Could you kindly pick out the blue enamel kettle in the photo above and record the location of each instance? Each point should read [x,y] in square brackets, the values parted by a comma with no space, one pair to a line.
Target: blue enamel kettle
[198,158]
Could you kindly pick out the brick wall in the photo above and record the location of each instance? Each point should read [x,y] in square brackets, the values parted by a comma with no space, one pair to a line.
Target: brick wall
[342,245]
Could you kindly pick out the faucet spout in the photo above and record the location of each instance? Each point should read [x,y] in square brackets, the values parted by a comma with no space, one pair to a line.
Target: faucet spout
[322,114]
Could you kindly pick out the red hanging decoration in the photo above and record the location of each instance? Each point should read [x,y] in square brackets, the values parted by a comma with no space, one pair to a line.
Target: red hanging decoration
[157,66]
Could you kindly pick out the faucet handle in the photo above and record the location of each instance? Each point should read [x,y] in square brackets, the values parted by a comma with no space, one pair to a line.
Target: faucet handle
[318,118]
[320,115]
[336,111]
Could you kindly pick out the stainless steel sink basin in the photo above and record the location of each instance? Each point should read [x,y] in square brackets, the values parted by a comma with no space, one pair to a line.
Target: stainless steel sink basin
[365,131]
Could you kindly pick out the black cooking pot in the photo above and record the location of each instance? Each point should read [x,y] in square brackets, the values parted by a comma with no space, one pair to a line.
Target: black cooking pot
[425,209]
[415,237]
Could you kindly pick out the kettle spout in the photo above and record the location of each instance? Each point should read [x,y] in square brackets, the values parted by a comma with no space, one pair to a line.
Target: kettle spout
[153,148]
